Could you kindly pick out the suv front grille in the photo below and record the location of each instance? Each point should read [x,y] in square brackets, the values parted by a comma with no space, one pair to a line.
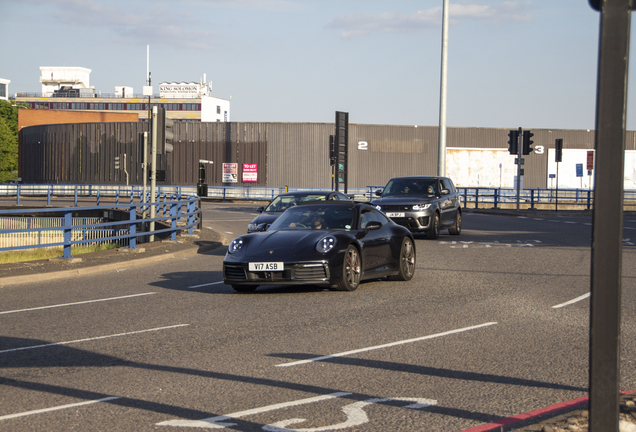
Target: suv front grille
[391,208]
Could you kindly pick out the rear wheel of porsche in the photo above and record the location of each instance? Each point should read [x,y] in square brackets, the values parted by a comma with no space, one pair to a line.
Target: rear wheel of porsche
[406,265]
[351,270]
[245,288]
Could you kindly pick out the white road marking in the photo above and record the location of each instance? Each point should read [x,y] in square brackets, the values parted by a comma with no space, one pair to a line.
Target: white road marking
[57,408]
[90,339]
[202,285]
[346,353]
[212,422]
[578,299]
[76,303]
[354,412]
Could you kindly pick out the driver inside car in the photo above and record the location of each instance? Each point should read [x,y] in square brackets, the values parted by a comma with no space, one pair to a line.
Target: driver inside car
[314,221]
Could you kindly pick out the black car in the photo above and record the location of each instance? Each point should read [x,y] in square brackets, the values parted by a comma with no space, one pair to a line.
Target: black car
[282,202]
[422,204]
[332,243]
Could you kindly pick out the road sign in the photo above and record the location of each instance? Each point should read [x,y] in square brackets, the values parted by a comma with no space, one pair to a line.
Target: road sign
[590,159]
[579,170]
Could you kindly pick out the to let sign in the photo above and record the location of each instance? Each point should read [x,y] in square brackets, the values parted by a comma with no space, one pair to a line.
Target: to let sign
[250,173]
[590,160]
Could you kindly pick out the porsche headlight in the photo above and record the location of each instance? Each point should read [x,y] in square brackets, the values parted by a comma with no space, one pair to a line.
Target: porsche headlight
[326,244]
[235,245]
[251,227]
[418,207]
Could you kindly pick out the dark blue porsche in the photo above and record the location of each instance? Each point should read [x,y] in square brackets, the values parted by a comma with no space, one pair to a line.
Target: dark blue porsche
[333,243]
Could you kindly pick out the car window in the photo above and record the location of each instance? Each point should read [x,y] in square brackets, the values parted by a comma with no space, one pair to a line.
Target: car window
[303,217]
[448,184]
[281,203]
[369,215]
[314,197]
[411,187]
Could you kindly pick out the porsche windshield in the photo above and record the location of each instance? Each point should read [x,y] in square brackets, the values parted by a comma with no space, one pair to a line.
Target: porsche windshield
[326,217]
[411,187]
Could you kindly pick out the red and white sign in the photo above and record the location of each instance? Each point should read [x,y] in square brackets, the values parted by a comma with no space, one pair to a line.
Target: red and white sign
[590,160]
[230,173]
[250,173]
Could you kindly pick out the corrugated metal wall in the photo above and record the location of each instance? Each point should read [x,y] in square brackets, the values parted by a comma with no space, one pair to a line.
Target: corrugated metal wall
[82,153]
[220,143]
[292,154]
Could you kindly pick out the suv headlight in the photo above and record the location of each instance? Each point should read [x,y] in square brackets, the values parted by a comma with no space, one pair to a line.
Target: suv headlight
[378,207]
[235,245]
[418,207]
[326,244]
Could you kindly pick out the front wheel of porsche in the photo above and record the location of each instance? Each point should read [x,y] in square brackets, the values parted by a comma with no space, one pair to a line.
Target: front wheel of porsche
[351,270]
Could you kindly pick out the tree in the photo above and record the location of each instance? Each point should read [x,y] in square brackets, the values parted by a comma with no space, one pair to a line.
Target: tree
[8,141]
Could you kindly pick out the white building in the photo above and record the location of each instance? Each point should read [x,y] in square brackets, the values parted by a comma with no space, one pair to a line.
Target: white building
[4,89]
[68,88]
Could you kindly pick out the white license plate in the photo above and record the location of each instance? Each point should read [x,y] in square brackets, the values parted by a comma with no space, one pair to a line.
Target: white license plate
[266,266]
[395,214]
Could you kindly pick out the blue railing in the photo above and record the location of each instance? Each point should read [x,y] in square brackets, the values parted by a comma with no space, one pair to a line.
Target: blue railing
[174,213]
[472,197]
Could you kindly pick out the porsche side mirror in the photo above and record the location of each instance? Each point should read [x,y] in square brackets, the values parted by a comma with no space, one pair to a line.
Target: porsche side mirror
[260,209]
[373,225]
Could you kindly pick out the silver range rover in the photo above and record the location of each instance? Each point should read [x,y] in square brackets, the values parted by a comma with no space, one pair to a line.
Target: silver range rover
[422,204]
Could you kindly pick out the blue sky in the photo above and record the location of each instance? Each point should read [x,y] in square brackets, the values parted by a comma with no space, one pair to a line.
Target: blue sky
[512,63]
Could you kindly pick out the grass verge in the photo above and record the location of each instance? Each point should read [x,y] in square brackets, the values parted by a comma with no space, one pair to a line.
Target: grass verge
[45,253]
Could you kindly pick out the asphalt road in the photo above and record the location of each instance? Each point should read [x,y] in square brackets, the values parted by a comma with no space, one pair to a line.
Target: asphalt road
[495,323]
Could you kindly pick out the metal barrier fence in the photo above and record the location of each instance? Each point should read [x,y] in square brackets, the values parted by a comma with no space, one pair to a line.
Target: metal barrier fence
[472,197]
[170,200]
[174,213]
[27,235]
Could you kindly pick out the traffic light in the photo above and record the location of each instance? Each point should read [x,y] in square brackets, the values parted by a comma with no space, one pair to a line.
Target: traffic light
[341,143]
[168,134]
[513,142]
[558,150]
[164,128]
[527,142]
[332,150]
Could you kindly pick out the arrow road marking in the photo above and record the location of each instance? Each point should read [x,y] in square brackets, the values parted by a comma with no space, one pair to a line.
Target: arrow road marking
[354,412]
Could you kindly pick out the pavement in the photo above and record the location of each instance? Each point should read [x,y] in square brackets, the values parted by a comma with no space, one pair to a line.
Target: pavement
[561,417]
[110,260]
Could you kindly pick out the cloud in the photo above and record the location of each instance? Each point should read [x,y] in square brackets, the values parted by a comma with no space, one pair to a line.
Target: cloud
[135,23]
[353,25]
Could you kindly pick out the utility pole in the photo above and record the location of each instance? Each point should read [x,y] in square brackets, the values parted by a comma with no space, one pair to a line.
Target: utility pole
[441,152]
[153,171]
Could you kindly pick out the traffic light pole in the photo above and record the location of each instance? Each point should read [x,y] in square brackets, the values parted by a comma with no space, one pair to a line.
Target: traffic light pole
[519,151]
[153,171]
